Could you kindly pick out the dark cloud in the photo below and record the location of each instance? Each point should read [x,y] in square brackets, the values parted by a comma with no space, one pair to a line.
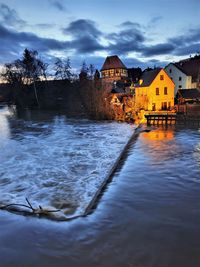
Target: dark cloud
[130,24]
[191,36]
[86,44]
[58,5]
[188,50]
[86,39]
[83,27]
[85,36]
[126,40]
[158,49]
[12,43]
[9,17]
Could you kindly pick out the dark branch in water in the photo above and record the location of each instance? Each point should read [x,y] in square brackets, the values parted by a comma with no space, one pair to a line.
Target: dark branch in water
[34,211]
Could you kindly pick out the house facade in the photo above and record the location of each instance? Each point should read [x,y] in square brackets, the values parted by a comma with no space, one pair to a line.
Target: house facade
[113,69]
[185,73]
[154,91]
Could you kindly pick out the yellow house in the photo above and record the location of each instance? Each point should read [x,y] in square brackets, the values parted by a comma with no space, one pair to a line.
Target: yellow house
[154,91]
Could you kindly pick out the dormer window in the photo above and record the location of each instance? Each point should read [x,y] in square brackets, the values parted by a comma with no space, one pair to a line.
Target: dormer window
[140,82]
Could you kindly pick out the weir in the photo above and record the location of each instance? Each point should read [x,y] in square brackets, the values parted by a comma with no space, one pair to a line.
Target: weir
[109,177]
[40,212]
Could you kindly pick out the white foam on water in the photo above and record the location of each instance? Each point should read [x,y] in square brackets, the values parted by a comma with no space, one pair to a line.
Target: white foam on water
[58,164]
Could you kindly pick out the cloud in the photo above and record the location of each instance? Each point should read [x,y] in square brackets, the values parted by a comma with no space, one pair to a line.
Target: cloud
[158,49]
[191,36]
[85,39]
[12,43]
[188,50]
[44,25]
[130,24]
[154,21]
[85,36]
[129,39]
[10,17]
[58,5]
[83,27]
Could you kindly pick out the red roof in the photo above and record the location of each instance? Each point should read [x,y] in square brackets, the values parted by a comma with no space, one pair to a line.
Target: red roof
[113,62]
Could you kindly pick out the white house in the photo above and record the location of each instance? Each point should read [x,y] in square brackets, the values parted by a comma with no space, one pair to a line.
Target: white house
[185,73]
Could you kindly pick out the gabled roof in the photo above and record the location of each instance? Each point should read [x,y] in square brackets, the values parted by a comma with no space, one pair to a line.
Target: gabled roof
[189,93]
[113,62]
[148,77]
[191,67]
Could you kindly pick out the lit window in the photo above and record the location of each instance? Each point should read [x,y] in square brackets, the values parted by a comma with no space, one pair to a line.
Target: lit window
[161,77]
[157,91]
[165,90]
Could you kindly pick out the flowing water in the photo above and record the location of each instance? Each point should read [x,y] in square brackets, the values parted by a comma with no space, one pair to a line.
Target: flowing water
[56,162]
[149,215]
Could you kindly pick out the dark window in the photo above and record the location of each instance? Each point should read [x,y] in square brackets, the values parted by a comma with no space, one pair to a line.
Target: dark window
[170,70]
[157,91]
[180,78]
[164,105]
[161,77]
[180,86]
[165,90]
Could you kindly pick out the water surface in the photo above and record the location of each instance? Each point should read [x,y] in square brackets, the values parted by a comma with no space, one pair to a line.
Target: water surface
[54,161]
[149,215]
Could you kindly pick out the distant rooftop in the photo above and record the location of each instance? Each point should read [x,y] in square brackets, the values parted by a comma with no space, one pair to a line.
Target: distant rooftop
[190,66]
[148,76]
[190,93]
[113,62]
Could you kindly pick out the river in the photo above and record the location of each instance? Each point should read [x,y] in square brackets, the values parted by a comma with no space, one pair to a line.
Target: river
[148,216]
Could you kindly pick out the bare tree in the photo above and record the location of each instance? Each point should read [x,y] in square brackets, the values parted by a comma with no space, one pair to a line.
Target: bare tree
[63,69]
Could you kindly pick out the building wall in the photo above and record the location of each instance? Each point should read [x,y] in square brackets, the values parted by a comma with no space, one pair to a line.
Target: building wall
[181,80]
[114,74]
[147,98]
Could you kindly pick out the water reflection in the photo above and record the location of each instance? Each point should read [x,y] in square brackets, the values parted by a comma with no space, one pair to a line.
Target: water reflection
[159,135]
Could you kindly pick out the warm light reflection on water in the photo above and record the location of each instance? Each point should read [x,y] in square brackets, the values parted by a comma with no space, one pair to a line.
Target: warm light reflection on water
[159,135]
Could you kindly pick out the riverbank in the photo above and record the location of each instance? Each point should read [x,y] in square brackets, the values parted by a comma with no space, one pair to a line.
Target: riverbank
[148,216]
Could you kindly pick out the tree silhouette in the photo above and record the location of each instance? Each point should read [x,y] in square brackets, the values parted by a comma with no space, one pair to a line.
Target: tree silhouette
[25,71]
[63,69]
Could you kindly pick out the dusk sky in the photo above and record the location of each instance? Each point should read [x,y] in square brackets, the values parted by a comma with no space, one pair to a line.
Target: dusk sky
[143,33]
